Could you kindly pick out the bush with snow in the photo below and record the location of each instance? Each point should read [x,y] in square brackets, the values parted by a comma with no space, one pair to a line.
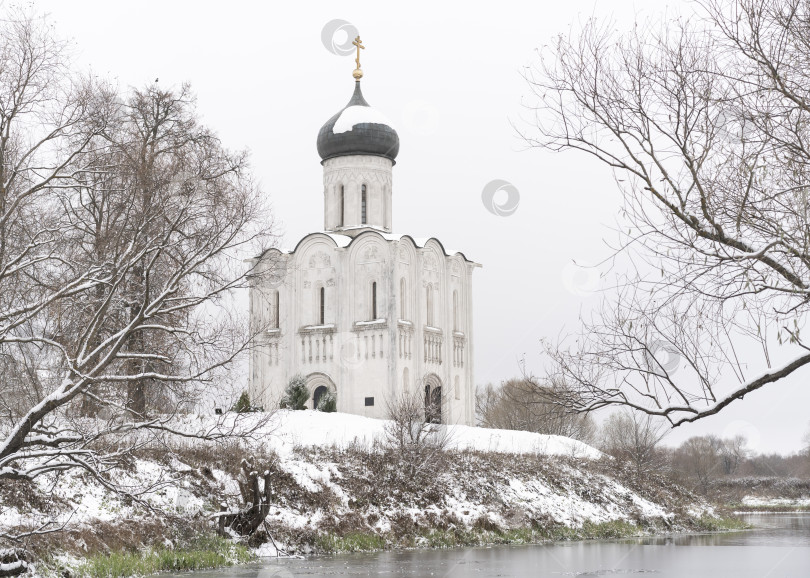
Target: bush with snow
[327,403]
[296,394]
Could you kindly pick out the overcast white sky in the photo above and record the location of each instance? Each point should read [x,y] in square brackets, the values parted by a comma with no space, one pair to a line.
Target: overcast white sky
[448,76]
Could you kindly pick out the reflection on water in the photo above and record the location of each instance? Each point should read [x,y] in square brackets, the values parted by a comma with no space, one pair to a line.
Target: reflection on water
[769,530]
[778,546]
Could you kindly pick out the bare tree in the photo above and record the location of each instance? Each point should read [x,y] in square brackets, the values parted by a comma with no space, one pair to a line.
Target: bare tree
[256,497]
[705,123]
[634,438]
[699,459]
[526,404]
[418,441]
[806,442]
[123,224]
[733,452]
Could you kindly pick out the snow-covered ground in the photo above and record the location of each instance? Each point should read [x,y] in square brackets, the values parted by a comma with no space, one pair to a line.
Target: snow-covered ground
[781,503]
[315,428]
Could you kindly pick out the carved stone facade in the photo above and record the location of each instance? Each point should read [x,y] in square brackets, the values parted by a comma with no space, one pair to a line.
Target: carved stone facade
[354,351]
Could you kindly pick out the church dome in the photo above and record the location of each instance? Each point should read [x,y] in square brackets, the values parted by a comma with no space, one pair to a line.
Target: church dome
[358,129]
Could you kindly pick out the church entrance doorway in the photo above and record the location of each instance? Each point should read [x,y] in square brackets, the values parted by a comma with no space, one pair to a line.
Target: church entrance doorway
[320,391]
[433,400]
[319,384]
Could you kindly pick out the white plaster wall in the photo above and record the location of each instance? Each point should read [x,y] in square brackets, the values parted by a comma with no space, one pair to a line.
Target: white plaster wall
[352,172]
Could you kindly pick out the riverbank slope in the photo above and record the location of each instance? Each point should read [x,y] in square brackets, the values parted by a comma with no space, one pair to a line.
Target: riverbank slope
[336,485]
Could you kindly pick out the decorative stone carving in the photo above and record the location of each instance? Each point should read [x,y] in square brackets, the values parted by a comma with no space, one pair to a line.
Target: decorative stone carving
[371,254]
[319,260]
[354,169]
[430,263]
[330,282]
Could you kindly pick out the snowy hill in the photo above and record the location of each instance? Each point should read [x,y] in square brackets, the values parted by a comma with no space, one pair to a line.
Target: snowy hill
[318,429]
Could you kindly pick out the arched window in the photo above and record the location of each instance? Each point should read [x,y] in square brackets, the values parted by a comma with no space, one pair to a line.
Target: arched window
[322,308]
[429,304]
[405,379]
[455,310]
[363,206]
[340,207]
[457,388]
[374,300]
[403,308]
[276,309]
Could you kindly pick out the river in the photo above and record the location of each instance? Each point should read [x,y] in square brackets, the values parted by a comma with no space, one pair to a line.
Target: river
[778,546]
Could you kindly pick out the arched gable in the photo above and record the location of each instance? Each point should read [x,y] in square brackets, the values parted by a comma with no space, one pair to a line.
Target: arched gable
[369,246]
[369,260]
[406,281]
[316,270]
[433,260]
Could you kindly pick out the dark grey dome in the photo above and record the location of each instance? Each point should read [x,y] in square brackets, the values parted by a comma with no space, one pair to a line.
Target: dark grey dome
[359,131]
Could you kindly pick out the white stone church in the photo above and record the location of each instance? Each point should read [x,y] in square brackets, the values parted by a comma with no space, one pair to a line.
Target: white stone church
[356,309]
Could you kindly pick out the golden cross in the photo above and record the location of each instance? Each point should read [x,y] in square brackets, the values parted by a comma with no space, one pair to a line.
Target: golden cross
[358,74]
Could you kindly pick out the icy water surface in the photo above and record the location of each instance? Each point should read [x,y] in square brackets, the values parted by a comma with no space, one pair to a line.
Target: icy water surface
[778,547]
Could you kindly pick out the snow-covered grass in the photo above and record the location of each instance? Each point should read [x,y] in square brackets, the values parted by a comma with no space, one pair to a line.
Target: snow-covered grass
[493,492]
[756,501]
[759,504]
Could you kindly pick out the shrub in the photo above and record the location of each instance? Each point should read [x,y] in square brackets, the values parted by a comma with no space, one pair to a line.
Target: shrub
[242,404]
[418,444]
[296,394]
[327,403]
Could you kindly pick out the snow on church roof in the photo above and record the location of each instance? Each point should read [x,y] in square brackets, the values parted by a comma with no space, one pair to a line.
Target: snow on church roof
[358,129]
[351,116]
[343,241]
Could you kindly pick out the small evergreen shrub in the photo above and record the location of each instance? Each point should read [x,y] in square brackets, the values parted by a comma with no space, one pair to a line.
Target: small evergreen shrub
[328,402]
[296,395]
[242,404]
